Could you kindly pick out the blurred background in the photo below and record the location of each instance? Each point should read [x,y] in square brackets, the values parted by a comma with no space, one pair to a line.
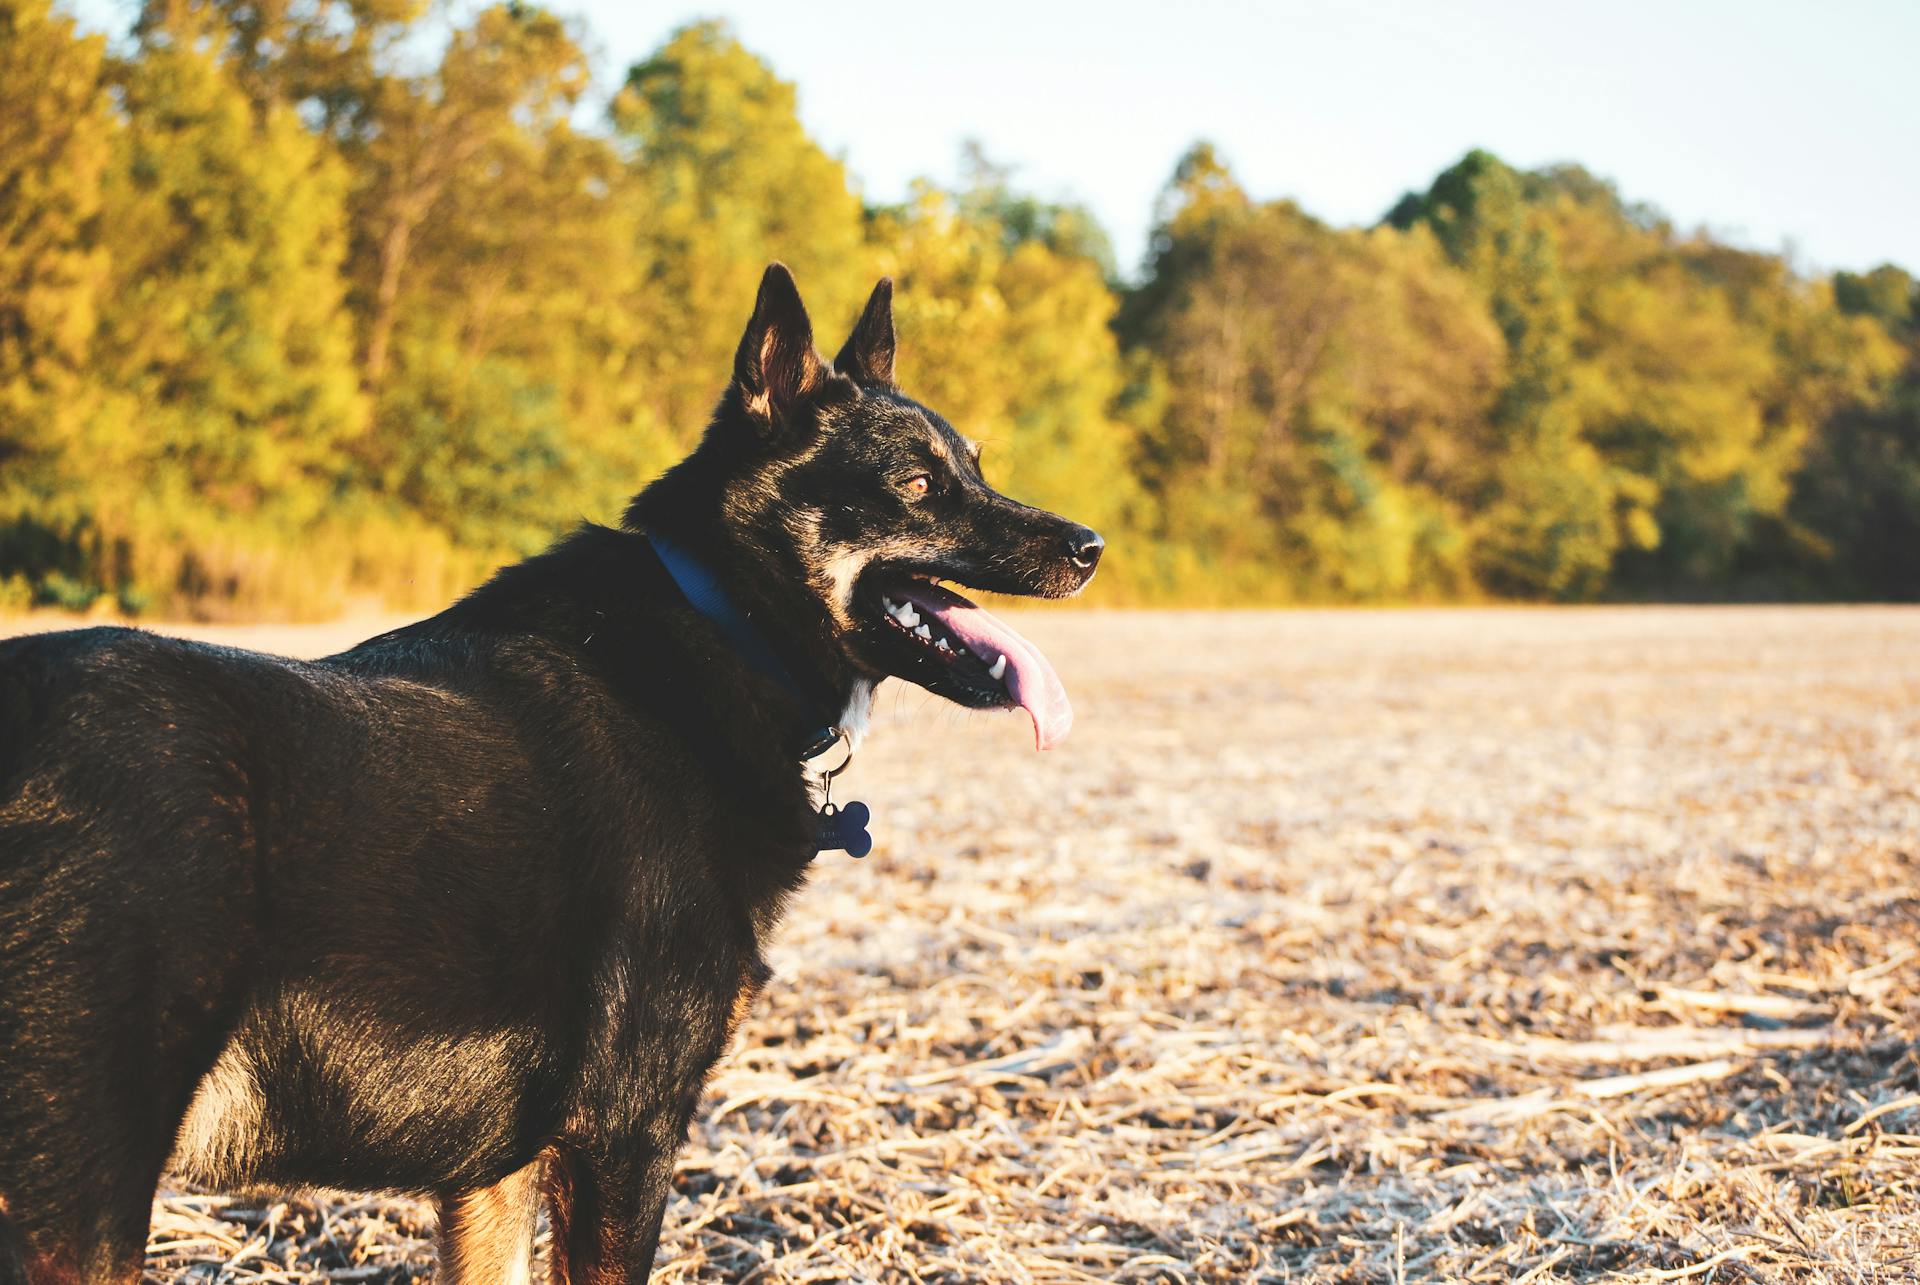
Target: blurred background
[314,306]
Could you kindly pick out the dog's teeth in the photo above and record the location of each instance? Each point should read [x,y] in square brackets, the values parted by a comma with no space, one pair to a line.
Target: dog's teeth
[941,643]
[924,632]
[999,668]
[888,604]
[907,616]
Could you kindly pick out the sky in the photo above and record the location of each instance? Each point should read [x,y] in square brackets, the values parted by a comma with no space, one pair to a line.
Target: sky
[1777,126]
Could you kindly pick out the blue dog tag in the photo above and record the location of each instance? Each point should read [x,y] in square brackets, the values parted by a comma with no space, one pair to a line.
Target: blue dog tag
[846,828]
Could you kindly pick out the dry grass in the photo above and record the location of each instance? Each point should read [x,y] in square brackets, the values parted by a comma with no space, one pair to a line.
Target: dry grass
[1482,945]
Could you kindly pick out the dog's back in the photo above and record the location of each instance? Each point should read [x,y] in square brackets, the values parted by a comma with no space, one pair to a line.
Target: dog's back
[170,816]
[337,917]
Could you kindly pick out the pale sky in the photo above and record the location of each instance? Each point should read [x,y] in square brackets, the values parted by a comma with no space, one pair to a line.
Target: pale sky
[1776,125]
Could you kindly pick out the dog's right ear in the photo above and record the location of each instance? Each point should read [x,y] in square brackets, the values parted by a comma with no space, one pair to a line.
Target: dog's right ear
[867,356]
[776,366]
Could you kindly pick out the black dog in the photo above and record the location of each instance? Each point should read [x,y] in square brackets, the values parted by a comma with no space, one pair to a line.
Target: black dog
[471,909]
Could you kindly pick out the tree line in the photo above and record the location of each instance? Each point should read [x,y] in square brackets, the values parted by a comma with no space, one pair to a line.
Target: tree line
[295,317]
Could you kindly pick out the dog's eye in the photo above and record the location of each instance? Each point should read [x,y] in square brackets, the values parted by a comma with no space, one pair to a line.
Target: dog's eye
[919,484]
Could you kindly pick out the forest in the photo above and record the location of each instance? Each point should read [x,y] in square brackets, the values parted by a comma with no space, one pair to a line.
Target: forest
[303,310]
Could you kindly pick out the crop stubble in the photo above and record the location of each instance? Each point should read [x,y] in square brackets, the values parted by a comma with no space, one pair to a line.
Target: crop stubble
[1502,945]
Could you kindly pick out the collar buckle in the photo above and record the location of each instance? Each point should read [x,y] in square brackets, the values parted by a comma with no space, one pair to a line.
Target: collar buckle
[823,743]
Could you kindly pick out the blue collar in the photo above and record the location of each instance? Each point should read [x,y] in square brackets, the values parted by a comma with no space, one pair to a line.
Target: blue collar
[706,595]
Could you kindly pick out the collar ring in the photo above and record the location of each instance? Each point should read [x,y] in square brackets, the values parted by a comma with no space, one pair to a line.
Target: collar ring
[835,738]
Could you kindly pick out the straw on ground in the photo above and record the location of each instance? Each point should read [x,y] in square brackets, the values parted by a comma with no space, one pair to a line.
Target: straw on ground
[1480,945]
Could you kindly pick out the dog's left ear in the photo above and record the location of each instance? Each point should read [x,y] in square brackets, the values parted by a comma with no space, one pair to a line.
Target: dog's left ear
[776,366]
[867,356]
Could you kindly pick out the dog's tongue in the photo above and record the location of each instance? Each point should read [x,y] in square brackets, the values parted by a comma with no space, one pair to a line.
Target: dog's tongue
[1028,677]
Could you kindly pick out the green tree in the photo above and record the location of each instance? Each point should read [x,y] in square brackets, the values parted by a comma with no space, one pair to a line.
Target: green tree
[726,180]
[987,194]
[1323,390]
[285,284]
[1553,513]
[424,136]
[494,272]
[327,58]
[56,134]
[1889,294]
[1661,390]
[1856,502]
[223,334]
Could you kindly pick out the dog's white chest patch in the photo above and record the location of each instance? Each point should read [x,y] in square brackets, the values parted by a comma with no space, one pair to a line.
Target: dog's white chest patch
[854,718]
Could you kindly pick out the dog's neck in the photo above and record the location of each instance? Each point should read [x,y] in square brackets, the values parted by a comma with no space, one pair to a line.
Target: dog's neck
[752,561]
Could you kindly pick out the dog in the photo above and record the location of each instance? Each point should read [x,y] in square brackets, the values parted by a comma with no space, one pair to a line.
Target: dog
[472,909]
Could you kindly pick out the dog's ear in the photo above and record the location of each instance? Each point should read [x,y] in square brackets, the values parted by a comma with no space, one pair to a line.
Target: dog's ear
[776,366]
[867,356]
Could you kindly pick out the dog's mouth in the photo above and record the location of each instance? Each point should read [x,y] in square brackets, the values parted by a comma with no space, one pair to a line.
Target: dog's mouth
[958,649]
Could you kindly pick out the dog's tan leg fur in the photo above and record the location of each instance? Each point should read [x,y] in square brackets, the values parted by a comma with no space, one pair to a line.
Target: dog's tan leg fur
[486,1235]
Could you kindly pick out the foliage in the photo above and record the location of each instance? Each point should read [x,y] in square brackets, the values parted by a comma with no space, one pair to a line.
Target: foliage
[492,271]
[1857,499]
[305,301]
[1325,389]
[1660,391]
[56,135]
[728,181]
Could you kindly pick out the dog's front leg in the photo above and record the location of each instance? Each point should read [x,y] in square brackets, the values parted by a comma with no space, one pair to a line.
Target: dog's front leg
[486,1235]
[605,1203]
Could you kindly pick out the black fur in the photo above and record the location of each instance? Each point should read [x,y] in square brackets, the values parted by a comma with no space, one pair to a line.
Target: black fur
[484,893]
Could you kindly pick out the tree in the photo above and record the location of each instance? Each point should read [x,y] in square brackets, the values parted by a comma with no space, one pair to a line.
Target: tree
[297,279]
[1552,513]
[56,135]
[223,335]
[494,273]
[1889,294]
[1323,389]
[512,63]
[1661,389]
[1856,502]
[987,194]
[726,180]
[325,58]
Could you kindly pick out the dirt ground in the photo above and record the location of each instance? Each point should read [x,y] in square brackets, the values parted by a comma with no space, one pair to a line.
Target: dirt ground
[1493,945]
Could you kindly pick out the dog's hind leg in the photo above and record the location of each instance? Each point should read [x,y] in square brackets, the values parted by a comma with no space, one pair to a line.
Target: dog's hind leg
[13,1265]
[105,1025]
[486,1234]
[69,1254]
[76,1175]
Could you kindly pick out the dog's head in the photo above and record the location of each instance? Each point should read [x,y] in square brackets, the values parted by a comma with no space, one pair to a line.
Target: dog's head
[864,500]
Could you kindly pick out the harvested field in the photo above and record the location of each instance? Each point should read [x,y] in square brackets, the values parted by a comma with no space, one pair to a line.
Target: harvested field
[1492,945]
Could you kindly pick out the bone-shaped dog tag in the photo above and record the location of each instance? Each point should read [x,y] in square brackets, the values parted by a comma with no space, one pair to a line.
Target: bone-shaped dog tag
[846,828]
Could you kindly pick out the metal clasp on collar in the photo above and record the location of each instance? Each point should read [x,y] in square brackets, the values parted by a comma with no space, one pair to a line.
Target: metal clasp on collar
[823,740]
[824,745]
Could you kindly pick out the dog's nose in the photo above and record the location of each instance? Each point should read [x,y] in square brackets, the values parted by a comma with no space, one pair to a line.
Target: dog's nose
[1084,547]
